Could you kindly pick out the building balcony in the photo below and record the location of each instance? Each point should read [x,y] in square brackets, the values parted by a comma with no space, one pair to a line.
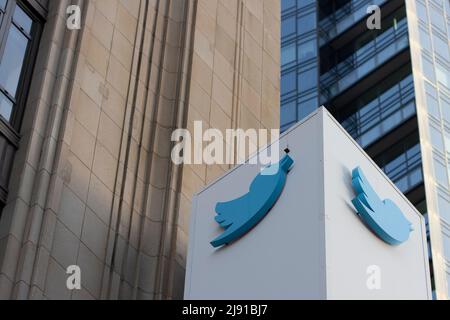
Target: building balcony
[381,115]
[342,19]
[364,61]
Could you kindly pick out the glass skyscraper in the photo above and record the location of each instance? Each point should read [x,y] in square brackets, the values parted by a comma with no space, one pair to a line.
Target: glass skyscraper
[389,87]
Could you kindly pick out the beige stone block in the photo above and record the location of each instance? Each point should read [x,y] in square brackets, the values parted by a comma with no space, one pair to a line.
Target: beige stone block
[231,7]
[126,23]
[132,7]
[71,211]
[118,77]
[147,276]
[248,120]
[271,93]
[252,74]
[251,99]
[191,183]
[202,73]
[96,54]
[200,100]
[169,83]
[86,111]
[91,83]
[271,70]
[55,287]
[105,166]
[204,48]
[253,50]
[82,144]
[181,247]
[272,46]
[155,204]
[108,8]
[256,8]
[222,95]
[82,294]
[253,25]
[172,58]
[110,135]
[76,175]
[7,286]
[272,22]
[122,49]
[95,234]
[65,246]
[210,6]
[206,23]
[163,145]
[114,106]
[225,45]
[270,115]
[100,199]
[184,213]
[151,237]
[102,29]
[224,70]
[9,255]
[158,175]
[219,119]
[92,269]
[176,10]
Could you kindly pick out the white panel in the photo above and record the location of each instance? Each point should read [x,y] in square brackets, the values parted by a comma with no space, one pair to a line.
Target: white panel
[298,251]
[351,248]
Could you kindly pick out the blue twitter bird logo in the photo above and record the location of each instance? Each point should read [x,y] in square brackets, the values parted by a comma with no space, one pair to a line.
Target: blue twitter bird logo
[240,215]
[383,217]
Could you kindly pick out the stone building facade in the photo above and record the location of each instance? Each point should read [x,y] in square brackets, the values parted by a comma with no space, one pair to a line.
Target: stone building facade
[90,181]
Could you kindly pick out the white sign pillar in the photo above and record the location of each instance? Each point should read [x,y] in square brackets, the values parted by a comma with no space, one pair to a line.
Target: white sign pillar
[312,244]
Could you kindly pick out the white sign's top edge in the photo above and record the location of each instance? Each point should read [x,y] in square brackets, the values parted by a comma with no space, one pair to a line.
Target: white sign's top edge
[320,110]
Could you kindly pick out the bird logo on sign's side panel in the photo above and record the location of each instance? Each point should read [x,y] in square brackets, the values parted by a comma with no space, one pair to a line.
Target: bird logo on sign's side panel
[383,217]
[238,216]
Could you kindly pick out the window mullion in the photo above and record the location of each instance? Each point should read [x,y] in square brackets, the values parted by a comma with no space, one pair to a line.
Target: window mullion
[6,25]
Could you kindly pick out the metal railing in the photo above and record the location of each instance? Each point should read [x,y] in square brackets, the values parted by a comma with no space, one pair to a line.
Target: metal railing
[395,108]
[365,59]
[343,18]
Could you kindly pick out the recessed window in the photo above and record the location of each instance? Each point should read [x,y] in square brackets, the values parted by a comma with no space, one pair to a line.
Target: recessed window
[15,51]
[20,27]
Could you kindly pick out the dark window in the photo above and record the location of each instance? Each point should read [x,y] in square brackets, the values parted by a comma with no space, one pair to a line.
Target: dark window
[20,28]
